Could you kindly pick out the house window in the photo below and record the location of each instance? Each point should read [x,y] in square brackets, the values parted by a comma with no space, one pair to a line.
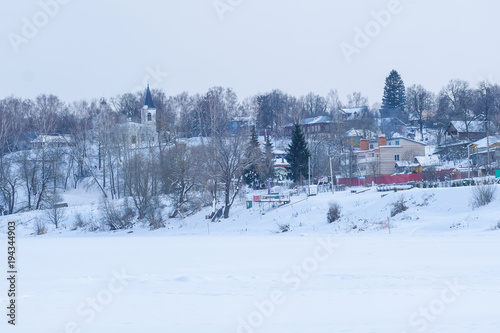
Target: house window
[397,142]
[396,157]
[373,154]
[149,116]
[371,146]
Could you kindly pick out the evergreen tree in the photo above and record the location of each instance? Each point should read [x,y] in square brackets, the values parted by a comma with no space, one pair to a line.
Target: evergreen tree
[298,155]
[394,100]
[267,170]
[253,156]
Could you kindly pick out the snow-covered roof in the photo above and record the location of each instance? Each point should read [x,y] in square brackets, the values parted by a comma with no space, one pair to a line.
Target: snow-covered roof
[402,164]
[132,125]
[53,139]
[426,161]
[243,119]
[354,110]
[361,133]
[313,120]
[316,120]
[483,143]
[281,162]
[475,126]
[390,121]
[279,152]
[399,138]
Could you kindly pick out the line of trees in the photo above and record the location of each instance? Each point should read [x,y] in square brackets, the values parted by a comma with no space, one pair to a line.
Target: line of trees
[216,169]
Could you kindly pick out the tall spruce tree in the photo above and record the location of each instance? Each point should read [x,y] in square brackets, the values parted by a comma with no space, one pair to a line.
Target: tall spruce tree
[394,100]
[251,174]
[298,155]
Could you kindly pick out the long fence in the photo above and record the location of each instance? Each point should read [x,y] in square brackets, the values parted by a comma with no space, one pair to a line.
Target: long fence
[418,179]
[381,180]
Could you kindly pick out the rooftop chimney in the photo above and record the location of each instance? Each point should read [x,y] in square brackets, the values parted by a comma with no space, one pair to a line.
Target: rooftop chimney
[364,144]
[382,140]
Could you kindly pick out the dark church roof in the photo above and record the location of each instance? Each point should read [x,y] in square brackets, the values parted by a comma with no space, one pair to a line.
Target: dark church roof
[149,100]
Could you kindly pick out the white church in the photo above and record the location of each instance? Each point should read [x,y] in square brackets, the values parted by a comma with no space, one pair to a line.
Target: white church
[143,134]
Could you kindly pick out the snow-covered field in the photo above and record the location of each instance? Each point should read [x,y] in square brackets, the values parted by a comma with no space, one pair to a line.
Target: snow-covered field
[437,271]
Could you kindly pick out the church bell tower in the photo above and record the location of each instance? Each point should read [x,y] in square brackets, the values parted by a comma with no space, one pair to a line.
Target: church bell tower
[148,111]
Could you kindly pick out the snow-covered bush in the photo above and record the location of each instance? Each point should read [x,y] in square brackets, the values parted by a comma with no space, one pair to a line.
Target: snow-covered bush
[284,227]
[398,206]
[116,217]
[86,223]
[155,219]
[40,228]
[482,195]
[333,212]
[496,226]
[79,222]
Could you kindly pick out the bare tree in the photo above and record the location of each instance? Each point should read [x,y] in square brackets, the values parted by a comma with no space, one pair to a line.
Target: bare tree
[141,181]
[419,101]
[227,154]
[457,100]
[356,99]
[8,184]
[180,173]
[55,213]
[333,103]
[487,103]
[215,109]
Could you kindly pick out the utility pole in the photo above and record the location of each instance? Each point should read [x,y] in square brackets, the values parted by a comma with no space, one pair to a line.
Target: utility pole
[468,158]
[309,174]
[331,173]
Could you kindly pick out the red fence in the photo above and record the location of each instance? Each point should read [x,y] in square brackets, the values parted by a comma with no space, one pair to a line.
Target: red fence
[382,180]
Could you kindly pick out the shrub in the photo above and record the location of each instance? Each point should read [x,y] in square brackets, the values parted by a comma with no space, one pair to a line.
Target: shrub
[155,219]
[86,223]
[284,227]
[40,228]
[398,206]
[79,222]
[116,217]
[333,212]
[482,195]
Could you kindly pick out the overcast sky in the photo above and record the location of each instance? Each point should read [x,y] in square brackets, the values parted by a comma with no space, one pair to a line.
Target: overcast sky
[85,49]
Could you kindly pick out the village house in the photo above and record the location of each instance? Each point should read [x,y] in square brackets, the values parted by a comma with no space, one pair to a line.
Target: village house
[471,130]
[383,156]
[310,126]
[479,150]
[354,113]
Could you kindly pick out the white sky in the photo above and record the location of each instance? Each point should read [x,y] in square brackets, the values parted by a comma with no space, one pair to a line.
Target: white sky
[95,48]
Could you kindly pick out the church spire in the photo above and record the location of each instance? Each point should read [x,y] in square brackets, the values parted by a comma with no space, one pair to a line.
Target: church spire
[149,100]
